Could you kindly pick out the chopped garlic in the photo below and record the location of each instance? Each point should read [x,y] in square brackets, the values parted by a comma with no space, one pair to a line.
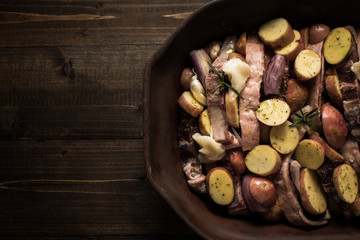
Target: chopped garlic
[197,90]
[210,150]
[238,72]
[356,69]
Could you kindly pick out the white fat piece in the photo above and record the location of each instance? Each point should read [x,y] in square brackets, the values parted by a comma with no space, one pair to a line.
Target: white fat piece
[238,72]
[210,150]
[197,90]
[356,69]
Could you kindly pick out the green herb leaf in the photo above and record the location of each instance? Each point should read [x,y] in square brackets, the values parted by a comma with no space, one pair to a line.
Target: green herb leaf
[224,80]
[305,118]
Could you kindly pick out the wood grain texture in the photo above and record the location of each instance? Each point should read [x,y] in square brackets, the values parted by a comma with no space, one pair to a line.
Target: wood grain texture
[71,119]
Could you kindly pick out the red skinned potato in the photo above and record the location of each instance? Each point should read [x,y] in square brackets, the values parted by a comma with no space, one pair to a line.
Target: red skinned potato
[240,45]
[275,213]
[296,94]
[312,196]
[185,78]
[332,87]
[237,160]
[251,203]
[331,153]
[263,191]
[318,32]
[304,32]
[189,104]
[334,126]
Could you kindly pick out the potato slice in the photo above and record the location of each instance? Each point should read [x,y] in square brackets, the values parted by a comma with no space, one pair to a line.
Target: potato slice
[346,183]
[263,160]
[232,109]
[273,112]
[337,45]
[220,186]
[284,138]
[312,196]
[276,33]
[240,45]
[296,94]
[189,104]
[332,87]
[291,50]
[331,153]
[310,154]
[204,123]
[307,65]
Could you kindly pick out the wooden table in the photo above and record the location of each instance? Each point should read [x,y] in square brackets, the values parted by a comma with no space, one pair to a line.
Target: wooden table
[71,119]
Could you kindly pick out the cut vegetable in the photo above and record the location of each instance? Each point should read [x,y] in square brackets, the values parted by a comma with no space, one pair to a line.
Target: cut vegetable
[296,94]
[307,65]
[240,45]
[204,123]
[210,150]
[284,138]
[334,126]
[201,60]
[232,109]
[346,183]
[186,77]
[197,90]
[237,160]
[310,154]
[220,186]
[276,33]
[291,50]
[273,112]
[332,87]
[189,104]
[331,153]
[312,196]
[318,32]
[263,160]
[337,45]
[274,75]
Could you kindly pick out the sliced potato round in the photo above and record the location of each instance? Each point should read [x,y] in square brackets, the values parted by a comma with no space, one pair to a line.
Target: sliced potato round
[273,112]
[276,33]
[263,160]
[337,45]
[307,65]
[220,185]
[310,154]
[346,183]
[284,138]
[291,50]
[312,196]
[204,123]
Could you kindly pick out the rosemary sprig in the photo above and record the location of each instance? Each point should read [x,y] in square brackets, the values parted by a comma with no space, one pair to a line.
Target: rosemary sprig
[224,81]
[305,117]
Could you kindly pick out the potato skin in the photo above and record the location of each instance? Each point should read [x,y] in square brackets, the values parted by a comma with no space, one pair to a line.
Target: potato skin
[318,32]
[237,160]
[331,153]
[334,126]
[240,45]
[185,78]
[311,192]
[332,87]
[189,104]
[263,191]
[296,94]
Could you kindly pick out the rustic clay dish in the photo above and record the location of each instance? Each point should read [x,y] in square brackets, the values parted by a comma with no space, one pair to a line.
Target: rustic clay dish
[161,115]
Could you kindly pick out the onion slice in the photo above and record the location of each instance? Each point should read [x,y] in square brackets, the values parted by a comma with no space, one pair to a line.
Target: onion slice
[274,74]
[201,60]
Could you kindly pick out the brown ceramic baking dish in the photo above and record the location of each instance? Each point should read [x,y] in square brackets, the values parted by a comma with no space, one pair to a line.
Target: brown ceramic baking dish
[161,115]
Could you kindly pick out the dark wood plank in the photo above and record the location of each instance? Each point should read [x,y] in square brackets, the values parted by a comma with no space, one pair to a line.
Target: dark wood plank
[53,23]
[57,188]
